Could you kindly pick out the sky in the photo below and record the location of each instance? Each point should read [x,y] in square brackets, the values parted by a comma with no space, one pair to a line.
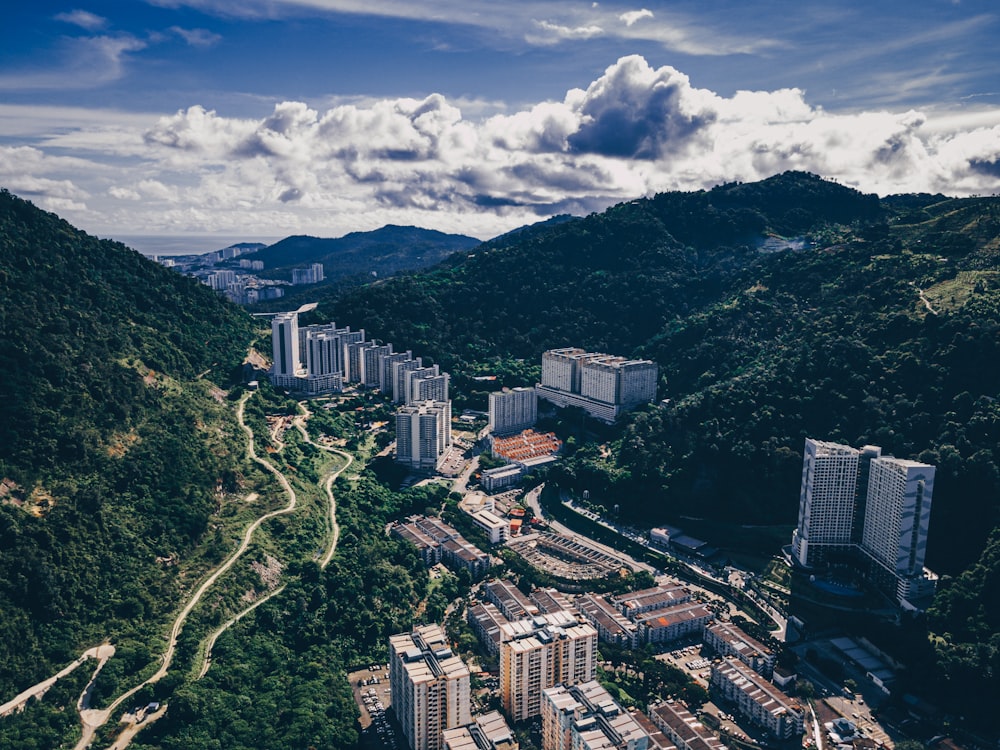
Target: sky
[203,122]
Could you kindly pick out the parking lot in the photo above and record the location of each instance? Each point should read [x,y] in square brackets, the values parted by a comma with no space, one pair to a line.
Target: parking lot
[371,692]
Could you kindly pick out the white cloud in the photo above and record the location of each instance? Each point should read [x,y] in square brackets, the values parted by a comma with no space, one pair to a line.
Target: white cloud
[635,15]
[633,131]
[83,63]
[197,37]
[554,32]
[84,19]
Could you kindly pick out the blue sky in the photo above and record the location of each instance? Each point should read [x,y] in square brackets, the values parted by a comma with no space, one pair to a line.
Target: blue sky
[247,118]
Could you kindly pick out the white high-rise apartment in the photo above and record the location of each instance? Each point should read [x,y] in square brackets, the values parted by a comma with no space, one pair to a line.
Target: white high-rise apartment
[827,499]
[540,652]
[586,717]
[513,410]
[426,384]
[603,385]
[400,378]
[897,517]
[423,433]
[430,686]
[855,500]
[285,347]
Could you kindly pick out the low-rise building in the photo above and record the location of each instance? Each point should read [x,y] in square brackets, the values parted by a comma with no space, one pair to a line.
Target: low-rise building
[612,626]
[501,477]
[551,600]
[485,621]
[437,542]
[727,639]
[497,529]
[757,699]
[635,603]
[487,732]
[682,728]
[671,623]
[509,599]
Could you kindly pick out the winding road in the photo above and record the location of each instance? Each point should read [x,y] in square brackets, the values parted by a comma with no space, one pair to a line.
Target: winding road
[93,719]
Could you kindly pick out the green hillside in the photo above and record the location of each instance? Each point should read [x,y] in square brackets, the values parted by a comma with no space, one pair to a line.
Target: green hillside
[111,448]
[759,346]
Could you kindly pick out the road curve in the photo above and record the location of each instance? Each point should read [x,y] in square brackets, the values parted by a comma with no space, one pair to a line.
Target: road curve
[94,718]
[299,423]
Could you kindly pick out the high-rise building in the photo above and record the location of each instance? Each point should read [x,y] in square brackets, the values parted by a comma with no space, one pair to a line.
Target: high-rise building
[385,382]
[603,385]
[285,347]
[827,499]
[513,410]
[400,378]
[539,653]
[311,275]
[372,366]
[862,505]
[426,384]
[423,434]
[430,686]
[897,517]
[586,717]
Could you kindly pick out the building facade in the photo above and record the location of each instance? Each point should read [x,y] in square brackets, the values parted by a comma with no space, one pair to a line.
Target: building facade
[423,434]
[513,410]
[430,687]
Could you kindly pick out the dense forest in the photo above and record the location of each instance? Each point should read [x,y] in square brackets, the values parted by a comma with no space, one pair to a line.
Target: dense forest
[111,448]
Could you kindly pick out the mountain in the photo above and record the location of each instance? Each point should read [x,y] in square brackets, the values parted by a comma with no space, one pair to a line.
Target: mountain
[382,252]
[112,445]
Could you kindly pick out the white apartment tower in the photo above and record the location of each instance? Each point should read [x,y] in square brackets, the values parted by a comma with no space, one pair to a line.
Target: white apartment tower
[897,517]
[426,384]
[430,686]
[858,500]
[285,347]
[513,410]
[826,499]
[603,385]
[423,433]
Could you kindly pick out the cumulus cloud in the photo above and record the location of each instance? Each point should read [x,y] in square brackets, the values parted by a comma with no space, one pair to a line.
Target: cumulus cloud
[633,131]
[635,15]
[554,32]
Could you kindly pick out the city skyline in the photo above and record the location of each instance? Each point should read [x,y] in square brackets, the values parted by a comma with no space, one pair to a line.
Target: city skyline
[168,119]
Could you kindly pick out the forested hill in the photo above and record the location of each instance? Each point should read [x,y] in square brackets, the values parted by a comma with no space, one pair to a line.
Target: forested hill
[383,252]
[110,445]
[777,310]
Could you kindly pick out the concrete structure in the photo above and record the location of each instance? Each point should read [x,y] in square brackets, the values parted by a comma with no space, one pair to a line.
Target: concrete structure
[400,378]
[501,477]
[612,626]
[827,500]
[437,542]
[757,699]
[875,510]
[311,275]
[634,603]
[603,385]
[487,732]
[525,446]
[726,639]
[371,368]
[285,349]
[671,623]
[430,686]
[897,517]
[423,434]
[497,529]
[485,621]
[586,717]
[508,597]
[539,653]
[386,376]
[513,410]
[426,384]
[682,728]
[550,601]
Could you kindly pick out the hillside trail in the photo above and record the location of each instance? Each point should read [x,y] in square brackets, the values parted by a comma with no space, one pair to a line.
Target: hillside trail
[299,423]
[93,719]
